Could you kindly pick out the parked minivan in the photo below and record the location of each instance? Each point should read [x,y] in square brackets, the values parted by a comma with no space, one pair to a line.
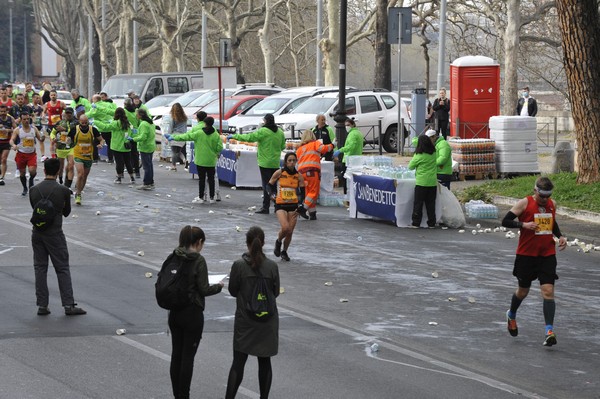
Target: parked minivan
[149,85]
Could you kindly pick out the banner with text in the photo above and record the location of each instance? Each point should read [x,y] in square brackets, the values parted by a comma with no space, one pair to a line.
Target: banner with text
[375,196]
[226,167]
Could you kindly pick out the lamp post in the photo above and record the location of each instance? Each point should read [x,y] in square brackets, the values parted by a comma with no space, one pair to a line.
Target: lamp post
[10,39]
[25,46]
[442,49]
[340,116]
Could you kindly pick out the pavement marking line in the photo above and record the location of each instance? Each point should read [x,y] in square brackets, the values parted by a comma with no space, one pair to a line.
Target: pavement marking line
[452,370]
[163,356]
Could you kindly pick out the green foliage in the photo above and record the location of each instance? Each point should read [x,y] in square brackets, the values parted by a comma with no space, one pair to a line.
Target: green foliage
[567,192]
[474,193]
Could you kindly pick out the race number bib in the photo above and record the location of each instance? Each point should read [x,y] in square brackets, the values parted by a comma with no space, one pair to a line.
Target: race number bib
[28,142]
[85,149]
[3,134]
[289,194]
[544,222]
[63,137]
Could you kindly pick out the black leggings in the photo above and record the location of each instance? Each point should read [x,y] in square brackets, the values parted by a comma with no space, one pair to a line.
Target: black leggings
[186,327]
[122,161]
[236,375]
[203,173]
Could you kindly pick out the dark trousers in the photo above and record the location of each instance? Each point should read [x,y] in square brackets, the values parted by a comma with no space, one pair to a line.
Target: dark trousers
[236,375]
[177,155]
[148,168]
[54,246]
[424,195]
[265,176]
[106,136]
[186,327]
[203,173]
[443,127]
[445,180]
[122,161]
[135,158]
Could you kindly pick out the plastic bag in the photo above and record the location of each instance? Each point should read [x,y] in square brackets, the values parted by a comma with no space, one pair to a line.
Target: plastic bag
[452,213]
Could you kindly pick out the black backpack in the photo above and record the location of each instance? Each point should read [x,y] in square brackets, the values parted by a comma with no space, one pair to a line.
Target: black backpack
[172,285]
[43,213]
[261,304]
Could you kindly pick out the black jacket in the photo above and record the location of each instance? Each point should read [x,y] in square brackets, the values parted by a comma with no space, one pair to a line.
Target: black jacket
[531,106]
[60,197]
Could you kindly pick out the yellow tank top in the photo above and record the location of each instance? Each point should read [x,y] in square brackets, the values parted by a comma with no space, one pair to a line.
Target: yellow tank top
[83,144]
[286,192]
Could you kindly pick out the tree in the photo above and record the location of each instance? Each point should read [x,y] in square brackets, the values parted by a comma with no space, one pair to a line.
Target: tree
[581,48]
[383,58]
[511,55]
[264,37]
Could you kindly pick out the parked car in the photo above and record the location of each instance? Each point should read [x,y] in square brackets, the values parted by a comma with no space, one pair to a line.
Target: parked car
[277,104]
[64,96]
[258,89]
[161,101]
[233,105]
[203,100]
[183,99]
[367,107]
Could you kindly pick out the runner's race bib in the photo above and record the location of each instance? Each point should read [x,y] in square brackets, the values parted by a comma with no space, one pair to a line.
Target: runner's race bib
[28,142]
[85,149]
[544,222]
[289,194]
[3,134]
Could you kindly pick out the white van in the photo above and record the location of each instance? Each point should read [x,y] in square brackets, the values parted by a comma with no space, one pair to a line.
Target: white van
[149,85]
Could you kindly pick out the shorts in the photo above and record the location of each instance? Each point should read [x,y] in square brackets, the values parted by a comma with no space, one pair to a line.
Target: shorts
[26,159]
[64,153]
[4,146]
[530,268]
[286,207]
[87,163]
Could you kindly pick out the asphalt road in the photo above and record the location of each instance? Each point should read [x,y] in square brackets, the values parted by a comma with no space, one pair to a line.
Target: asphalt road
[429,346]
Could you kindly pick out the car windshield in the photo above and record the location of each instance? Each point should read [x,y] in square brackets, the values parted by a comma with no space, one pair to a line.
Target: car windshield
[213,108]
[119,86]
[187,98]
[267,106]
[160,101]
[208,97]
[314,106]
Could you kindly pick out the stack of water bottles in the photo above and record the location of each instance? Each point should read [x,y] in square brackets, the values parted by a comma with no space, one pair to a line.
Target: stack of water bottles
[478,209]
[165,128]
[377,165]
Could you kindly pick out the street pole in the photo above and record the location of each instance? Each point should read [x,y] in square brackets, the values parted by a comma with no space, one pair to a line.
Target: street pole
[135,40]
[10,39]
[204,42]
[319,75]
[399,129]
[90,62]
[442,49]
[25,45]
[340,116]
[103,78]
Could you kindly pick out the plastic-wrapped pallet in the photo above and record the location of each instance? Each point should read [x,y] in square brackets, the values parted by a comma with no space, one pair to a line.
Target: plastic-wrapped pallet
[474,156]
[516,143]
[478,209]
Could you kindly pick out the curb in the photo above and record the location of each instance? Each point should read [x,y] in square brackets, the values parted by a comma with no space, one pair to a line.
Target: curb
[585,216]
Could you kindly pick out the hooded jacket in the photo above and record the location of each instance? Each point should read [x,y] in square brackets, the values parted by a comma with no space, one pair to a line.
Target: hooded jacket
[207,144]
[198,276]
[271,141]
[145,137]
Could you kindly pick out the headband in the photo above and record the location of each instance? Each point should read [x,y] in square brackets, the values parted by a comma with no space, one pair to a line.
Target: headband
[543,192]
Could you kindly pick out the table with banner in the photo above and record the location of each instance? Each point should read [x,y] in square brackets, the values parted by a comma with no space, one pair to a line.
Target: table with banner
[240,168]
[385,198]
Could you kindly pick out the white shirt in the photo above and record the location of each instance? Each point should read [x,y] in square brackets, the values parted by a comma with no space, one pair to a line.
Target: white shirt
[525,109]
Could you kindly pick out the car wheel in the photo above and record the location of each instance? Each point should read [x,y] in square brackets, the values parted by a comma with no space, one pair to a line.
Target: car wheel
[390,139]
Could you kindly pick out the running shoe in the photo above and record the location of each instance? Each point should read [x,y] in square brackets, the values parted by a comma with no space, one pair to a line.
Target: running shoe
[512,325]
[149,187]
[132,179]
[277,250]
[198,200]
[118,180]
[78,199]
[2,181]
[218,196]
[43,158]
[211,201]
[24,193]
[550,338]
[285,256]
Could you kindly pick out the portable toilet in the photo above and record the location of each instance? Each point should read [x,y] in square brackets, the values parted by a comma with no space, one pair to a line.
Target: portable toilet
[474,96]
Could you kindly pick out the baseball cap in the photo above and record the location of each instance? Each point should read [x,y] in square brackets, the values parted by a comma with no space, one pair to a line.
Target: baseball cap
[431,133]
[69,110]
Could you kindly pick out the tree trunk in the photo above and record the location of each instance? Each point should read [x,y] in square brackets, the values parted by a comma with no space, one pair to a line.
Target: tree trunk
[265,42]
[383,63]
[330,47]
[581,47]
[511,54]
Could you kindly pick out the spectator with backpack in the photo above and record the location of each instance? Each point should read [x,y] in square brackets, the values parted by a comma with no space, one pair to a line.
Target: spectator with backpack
[181,287]
[254,281]
[50,202]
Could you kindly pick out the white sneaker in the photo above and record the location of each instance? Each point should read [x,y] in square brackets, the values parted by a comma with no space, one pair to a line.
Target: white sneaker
[198,200]
[212,201]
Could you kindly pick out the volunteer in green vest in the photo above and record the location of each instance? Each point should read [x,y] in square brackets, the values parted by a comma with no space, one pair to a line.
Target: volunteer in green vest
[443,157]
[426,181]
[353,146]
[146,143]
[78,101]
[120,129]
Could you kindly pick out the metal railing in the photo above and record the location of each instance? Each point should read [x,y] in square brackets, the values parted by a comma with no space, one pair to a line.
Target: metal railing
[548,128]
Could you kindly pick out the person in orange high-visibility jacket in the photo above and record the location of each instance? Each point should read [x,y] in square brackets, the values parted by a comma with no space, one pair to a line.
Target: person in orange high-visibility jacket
[309,165]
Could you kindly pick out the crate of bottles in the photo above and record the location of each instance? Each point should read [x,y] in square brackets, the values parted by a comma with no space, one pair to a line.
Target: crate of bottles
[478,209]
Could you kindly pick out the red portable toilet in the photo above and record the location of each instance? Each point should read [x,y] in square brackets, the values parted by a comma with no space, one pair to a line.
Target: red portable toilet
[474,96]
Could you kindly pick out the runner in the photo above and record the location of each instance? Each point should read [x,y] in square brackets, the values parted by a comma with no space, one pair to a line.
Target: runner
[37,109]
[286,202]
[7,126]
[26,155]
[19,107]
[5,99]
[82,139]
[536,253]
[53,110]
[60,137]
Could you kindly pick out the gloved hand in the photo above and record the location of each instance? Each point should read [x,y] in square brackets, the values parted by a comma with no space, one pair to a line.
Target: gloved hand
[229,137]
[302,211]
[129,138]
[134,131]
[271,191]
[168,136]
[336,153]
[94,105]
